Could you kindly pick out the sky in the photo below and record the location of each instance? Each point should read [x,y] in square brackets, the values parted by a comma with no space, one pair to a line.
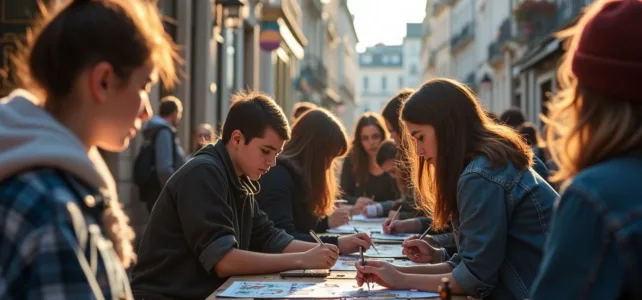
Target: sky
[384,21]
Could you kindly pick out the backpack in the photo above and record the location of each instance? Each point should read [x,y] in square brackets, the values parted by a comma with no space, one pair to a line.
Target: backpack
[145,168]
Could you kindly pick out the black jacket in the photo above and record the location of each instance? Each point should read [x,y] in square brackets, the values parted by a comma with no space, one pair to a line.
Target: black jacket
[282,198]
[383,187]
[203,212]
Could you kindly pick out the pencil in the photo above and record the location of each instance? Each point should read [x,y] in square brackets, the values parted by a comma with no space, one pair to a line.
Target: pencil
[315,237]
[363,264]
[373,246]
[397,212]
[423,235]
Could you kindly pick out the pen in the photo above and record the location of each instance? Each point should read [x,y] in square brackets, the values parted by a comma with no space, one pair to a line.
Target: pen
[315,237]
[396,213]
[373,246]
[423,235]
[363,264]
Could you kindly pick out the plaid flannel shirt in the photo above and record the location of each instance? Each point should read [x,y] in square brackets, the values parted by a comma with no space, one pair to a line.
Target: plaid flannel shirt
[41,256]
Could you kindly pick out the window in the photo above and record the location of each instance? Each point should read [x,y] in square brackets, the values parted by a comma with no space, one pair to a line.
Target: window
[385,59]
[395,59]
[384,83]
[366,59]
[413,69]
[365,83]
[400,82]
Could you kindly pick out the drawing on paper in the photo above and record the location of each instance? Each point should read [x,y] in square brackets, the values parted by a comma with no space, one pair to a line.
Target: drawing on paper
[293,290]
[346,263]
[362,227]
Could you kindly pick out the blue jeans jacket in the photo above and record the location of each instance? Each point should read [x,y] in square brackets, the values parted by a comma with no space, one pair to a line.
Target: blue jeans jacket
[594,250]
[501,229]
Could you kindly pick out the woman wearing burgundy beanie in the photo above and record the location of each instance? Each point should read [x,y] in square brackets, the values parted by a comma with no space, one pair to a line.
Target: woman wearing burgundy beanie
[594,249]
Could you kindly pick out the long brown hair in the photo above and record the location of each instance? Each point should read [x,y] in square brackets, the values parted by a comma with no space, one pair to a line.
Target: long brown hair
[586,126]
[390,113]
[318,138]
[358,155]
[463,132]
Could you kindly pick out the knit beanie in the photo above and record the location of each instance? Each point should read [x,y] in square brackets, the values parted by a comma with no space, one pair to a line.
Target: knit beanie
[608,57]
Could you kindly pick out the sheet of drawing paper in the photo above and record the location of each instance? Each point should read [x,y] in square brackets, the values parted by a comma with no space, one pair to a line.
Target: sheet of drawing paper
[394,236]
[386,251]
[346,263]
[323,290]
[362,218]
[361,226]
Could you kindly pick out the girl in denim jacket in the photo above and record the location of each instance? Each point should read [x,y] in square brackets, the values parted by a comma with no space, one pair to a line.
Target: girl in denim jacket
[594,250]
[477,174]
[87,70]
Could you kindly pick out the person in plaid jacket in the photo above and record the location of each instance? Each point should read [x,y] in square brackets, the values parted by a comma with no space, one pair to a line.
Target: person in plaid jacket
[86,72]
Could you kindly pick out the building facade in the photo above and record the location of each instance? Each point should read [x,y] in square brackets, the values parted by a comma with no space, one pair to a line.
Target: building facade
[412,55]
[382,74]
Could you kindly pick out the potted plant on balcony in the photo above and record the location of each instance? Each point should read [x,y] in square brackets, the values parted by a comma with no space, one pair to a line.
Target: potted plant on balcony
[532,14]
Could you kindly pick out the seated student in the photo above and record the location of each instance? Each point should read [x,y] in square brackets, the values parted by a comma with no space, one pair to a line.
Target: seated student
[86,72]
[362,181]
[206,218]
[594,249]
[476,174]
[300,190]
[300,108]
[386,158]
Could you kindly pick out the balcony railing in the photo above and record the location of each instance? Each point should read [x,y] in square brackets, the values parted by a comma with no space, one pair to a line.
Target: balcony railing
[314,66]
[503,35]
[465,35]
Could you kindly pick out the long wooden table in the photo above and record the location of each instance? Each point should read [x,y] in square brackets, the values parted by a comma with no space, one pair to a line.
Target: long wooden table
[335,276]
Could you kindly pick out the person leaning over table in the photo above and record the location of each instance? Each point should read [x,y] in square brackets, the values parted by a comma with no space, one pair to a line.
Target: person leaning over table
[206,221]
[299,192]
[481,180]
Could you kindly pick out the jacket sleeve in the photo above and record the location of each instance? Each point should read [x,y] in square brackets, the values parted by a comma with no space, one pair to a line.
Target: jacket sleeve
[206,217]
[573,251]
[348,181]
[482,243]
[275,200]
[164,155]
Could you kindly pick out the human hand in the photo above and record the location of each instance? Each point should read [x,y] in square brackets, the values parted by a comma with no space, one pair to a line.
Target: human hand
[338,217]
[323,256]
[400,226]
[351,243]
[382,273]
[419,251]
[361,203]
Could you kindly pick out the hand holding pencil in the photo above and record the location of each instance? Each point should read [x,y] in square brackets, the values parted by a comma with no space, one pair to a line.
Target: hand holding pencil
[324,256]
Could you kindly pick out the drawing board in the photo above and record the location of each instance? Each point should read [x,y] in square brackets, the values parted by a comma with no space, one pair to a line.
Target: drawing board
[293,290]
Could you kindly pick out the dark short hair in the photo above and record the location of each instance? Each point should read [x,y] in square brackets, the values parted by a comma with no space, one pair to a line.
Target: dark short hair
[387,151]
[512,117]
[302,107]
[169,105]
[251,113]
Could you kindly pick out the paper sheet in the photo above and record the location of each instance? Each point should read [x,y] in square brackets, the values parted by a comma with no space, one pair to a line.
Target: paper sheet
[394,236]
[346,263]
[293,290]
[386,251]
[361,218]
[349,228]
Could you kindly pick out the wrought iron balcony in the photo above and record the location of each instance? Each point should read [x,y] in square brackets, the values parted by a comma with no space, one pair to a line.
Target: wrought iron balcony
[463,37]
[503,35]
[317,71]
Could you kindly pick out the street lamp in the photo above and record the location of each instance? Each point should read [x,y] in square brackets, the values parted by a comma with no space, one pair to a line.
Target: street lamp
[231,13]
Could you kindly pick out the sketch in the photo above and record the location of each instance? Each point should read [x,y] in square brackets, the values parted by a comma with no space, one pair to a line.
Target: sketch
[293,290]
[361,227]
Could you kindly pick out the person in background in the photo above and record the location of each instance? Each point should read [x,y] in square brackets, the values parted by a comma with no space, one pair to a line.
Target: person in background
[390,114]
[203,136]
[86,73]
[512,117]
[594,249]
[299,192]
[162,149]
[477,175]
[207,225]
[300,108]
[362,180]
